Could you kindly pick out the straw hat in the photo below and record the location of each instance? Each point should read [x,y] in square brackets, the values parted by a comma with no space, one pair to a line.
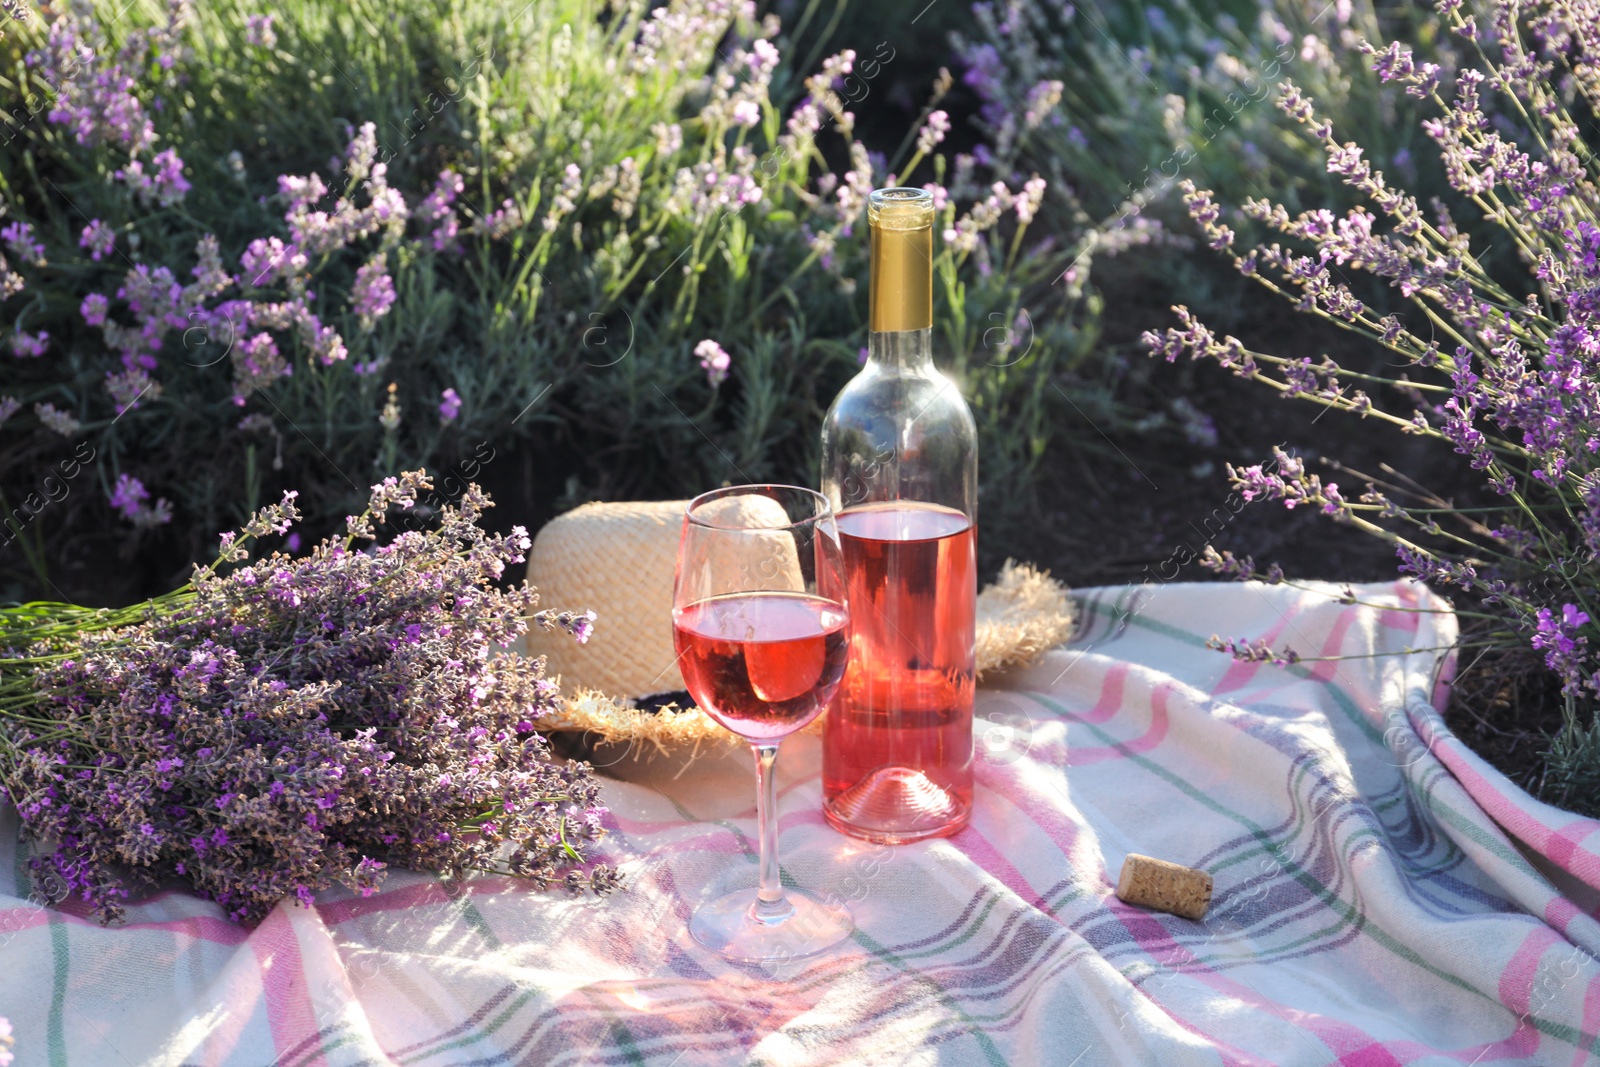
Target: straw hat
[618,560]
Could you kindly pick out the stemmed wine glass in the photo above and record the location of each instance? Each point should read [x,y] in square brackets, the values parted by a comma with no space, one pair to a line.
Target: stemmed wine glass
[762,634]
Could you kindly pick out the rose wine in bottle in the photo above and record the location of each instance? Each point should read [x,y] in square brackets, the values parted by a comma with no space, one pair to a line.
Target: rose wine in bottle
[900,466]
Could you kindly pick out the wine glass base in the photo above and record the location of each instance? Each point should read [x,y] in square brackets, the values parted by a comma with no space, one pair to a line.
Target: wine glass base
[729,926]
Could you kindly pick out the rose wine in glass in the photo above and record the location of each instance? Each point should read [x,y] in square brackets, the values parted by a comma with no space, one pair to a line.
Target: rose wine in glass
[900,467]
[766,656]
[763,639]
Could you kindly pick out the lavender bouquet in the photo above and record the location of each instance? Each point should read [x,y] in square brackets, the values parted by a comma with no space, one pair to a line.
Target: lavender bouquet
[280,726]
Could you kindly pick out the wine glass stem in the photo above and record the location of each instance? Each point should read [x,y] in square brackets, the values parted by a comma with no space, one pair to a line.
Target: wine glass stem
[769,900]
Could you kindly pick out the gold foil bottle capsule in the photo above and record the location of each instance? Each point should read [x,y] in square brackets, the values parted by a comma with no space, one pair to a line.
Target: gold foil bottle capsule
[901,221]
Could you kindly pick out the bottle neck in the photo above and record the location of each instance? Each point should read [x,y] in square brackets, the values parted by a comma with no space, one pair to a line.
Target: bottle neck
[901,351]
[901,297]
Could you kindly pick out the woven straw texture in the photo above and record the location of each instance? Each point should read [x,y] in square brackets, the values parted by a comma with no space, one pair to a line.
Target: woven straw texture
[617,559]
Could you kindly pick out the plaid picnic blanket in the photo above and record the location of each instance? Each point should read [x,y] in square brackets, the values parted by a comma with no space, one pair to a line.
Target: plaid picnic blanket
[1382,896]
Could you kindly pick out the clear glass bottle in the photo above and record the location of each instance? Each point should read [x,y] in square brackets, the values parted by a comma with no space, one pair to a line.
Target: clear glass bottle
[900,466]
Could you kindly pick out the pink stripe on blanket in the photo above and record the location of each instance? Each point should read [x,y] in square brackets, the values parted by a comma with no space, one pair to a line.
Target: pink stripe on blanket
[283,983]
[1409,622]
[1371,1054]
[1241,673]
[1559,912]
[1565,843]
[1153,735]
[978,848]
[1562,847]
[1516,978]
[1048,815]
[1112,684]
[1591,1019]
[200,927]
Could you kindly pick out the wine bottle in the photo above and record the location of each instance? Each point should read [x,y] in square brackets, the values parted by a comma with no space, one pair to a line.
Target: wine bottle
[900,466]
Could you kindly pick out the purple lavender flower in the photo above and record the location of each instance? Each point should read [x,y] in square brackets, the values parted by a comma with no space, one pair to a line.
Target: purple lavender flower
[166,187]
[325,343]
[932,132]
[1257,651]
[29,345]
[1027,203]
[94,89]
[130,497]
[583,627]
[93,309]
[436,207]
[746,113]
[373,292]
[579,624]
[1042,100]
[98,238]
[500,222]
[300,193]
[258,31]
[1562,643]
[1516,389]
[1226,563]
[257,364]
[268,259]
[60,422]
[713,360]
[1333,501]
[984,71]
[763,57]
[19,238]
[1198,427]
[449,405]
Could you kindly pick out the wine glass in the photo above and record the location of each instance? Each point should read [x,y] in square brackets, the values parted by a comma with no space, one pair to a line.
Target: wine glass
[762,634]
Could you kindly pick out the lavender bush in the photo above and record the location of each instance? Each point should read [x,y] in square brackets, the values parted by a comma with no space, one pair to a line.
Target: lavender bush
[256,247]
[1120,100]
[1115,102]
[280,726]
[1504,368]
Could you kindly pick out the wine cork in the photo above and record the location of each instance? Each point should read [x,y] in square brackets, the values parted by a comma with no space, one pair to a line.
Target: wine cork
[1153,883]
